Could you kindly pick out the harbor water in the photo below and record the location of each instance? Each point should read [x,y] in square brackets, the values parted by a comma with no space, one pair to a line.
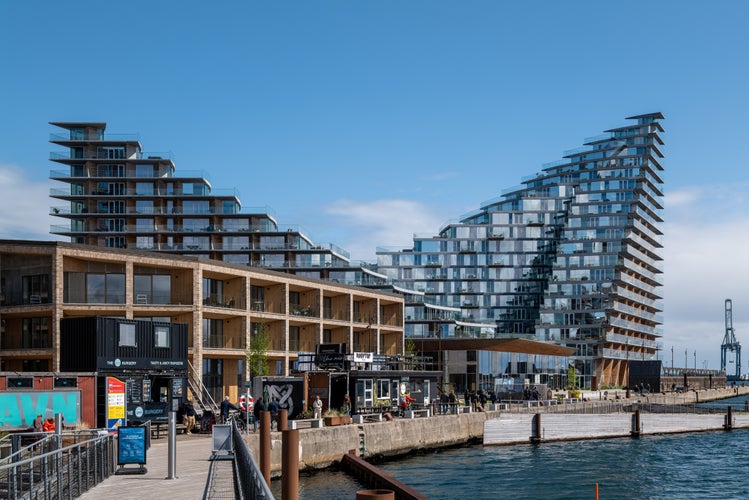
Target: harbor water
[684,466]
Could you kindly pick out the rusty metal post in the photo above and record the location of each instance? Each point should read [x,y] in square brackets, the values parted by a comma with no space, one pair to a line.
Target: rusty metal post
[536,428]
[729,419]
[375,495]
[290,464]
[265,445]
[283,420]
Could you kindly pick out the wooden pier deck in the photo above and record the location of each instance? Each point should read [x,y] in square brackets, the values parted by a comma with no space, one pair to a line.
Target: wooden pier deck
[513,428]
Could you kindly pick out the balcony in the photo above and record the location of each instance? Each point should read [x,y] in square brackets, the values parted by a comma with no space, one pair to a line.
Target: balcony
[335,314]
[93,155]
[224,342]
[93,137]
[224,301]
[300,310]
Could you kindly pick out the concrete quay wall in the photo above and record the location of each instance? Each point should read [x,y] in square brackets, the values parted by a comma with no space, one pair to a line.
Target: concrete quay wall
[320,448]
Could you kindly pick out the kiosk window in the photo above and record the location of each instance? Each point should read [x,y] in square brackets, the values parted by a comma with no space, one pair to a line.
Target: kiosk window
[161,336]
[127,335]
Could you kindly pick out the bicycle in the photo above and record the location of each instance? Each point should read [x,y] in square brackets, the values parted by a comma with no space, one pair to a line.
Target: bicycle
[237,418]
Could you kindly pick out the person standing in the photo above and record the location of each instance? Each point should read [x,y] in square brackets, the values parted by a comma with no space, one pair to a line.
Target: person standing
[273,408]
[49,425]
[317,407]
[189,416]
[225,407]
[257,411]
[39,423]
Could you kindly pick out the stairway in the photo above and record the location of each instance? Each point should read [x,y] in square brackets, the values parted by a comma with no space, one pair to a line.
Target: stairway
[202,399]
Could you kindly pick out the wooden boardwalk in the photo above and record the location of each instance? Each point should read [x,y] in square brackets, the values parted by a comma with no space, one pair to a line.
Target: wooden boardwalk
[197,475]
[516,428]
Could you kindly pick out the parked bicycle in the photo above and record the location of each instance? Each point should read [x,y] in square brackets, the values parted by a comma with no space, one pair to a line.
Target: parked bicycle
[239,418]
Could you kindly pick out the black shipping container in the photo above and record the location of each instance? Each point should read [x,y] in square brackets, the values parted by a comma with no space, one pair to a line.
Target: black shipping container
[150,357]
[116,344]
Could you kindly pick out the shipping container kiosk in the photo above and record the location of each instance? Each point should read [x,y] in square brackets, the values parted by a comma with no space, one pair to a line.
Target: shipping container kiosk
[150,357]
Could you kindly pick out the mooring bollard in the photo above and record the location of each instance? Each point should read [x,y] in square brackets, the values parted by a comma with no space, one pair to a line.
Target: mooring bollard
[283,420]
[536,428]
[636,428]
[290,464]
[265,445]
[728,425]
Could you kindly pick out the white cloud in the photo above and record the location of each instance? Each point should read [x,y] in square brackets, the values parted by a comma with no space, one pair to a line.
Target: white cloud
[24,205]
[706,252]
[382,223]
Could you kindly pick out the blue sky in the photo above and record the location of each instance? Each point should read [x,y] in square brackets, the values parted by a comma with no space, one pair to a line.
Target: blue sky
[365,122]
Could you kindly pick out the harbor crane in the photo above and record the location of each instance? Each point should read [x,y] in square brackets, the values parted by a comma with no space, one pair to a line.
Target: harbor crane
[730,344]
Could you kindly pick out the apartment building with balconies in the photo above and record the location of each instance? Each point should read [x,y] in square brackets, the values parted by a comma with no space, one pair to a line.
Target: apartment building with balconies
[572,256]
[223,304]
[116,195]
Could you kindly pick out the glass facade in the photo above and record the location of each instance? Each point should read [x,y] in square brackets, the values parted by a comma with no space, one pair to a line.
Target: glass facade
[571,256]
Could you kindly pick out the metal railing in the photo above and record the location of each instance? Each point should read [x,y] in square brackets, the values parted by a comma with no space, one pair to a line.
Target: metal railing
[251,481]
[51,468]
[200,392]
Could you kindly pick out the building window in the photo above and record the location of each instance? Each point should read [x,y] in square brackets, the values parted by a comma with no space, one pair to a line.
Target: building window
[213,333]
[161,336]
[144,170]
[213,377]
[144,188]
[294,338]
[36,333]
[111,153]
[152,289]
[115,242]
[127,335]
[36,289]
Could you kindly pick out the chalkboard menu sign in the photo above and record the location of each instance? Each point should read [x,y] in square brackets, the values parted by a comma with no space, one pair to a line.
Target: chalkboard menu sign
[146,390]
[134,389]
[177,388]
[131,447]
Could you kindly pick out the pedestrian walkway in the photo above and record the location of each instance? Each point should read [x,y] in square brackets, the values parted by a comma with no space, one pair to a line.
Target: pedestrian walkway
[197,475]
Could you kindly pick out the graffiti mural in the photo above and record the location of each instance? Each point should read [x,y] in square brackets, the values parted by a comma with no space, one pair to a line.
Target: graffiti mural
[18,409]
[289,393]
